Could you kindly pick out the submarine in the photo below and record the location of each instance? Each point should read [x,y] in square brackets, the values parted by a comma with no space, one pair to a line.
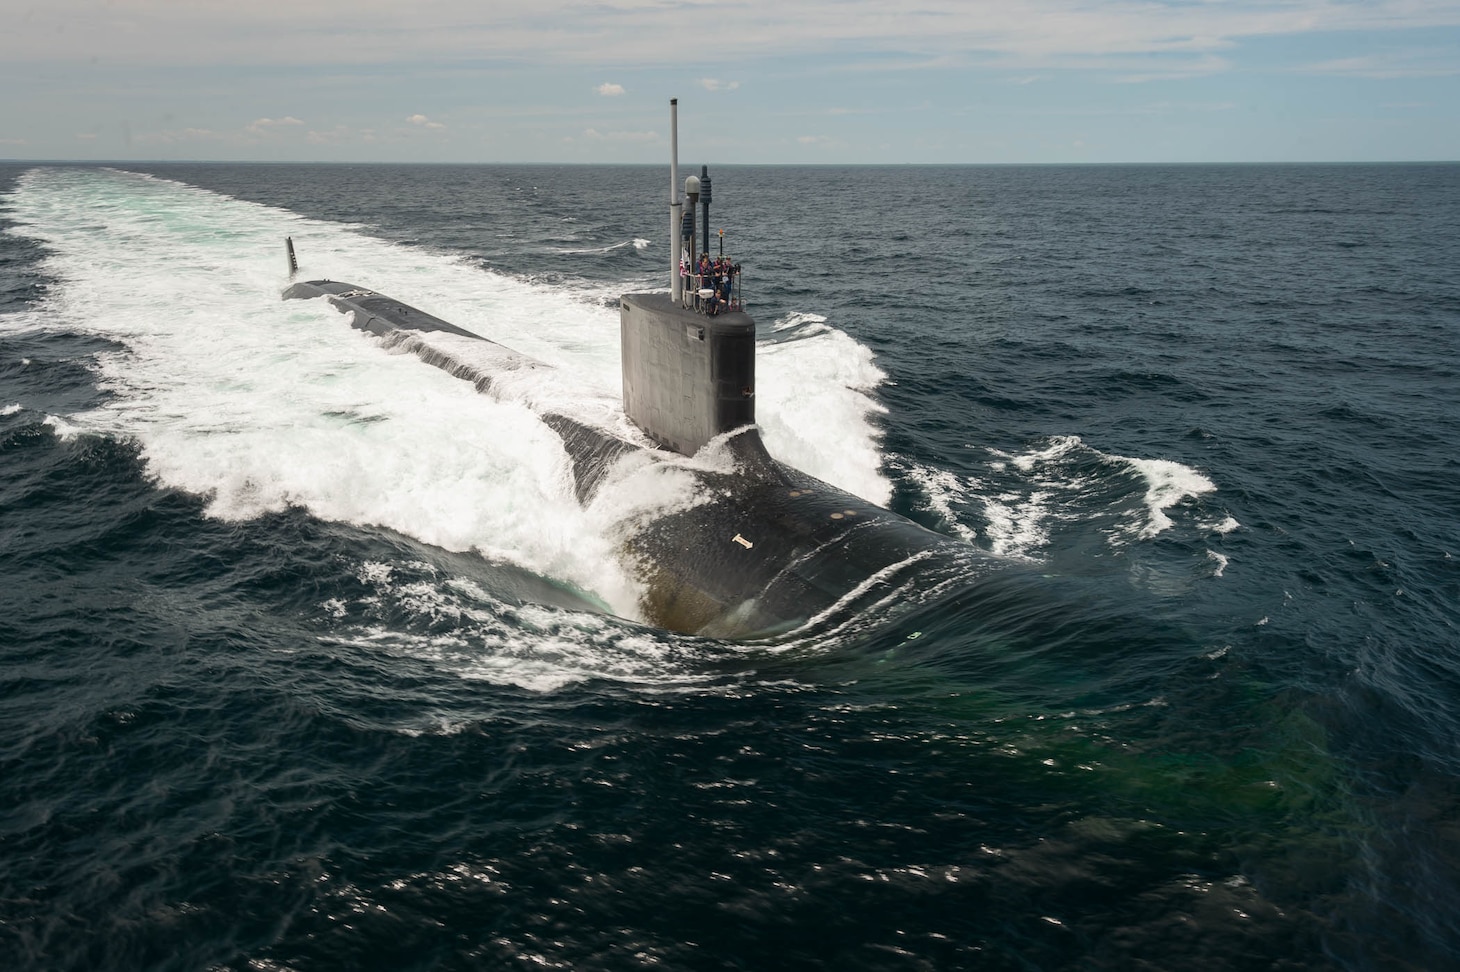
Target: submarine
[763,548]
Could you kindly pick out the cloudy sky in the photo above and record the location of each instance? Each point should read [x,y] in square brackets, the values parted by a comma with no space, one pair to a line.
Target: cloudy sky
[758,80]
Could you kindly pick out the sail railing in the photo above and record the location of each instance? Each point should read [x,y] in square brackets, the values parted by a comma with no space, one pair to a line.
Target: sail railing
[700,293]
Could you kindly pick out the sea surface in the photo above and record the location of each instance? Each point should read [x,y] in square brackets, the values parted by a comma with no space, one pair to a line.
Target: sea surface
[311,659]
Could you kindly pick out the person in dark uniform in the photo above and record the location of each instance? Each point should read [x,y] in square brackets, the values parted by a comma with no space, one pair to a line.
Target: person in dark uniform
[724,279]
[705,280]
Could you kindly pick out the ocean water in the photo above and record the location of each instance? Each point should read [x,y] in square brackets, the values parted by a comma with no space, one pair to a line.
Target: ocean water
[310,658]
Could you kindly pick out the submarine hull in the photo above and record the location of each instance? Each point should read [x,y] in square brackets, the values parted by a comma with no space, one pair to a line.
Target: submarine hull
[774,549]
[765,548]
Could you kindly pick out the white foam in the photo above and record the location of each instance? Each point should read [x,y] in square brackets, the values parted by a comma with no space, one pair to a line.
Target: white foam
[537,648]
[637,243]
[1018,523]
[1059,447]
[1014,523]
[1221,562]
[815,408]
[638,489]
[1066,480]
[799,324]
[1226,526]
[516,378]
[944,490]
[1168,483]
[61,427]
[10,409]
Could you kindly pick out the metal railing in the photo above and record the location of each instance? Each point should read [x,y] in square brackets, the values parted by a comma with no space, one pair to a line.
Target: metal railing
[708,295]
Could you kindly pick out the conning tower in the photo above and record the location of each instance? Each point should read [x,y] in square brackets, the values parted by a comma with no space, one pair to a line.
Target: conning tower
[689,355]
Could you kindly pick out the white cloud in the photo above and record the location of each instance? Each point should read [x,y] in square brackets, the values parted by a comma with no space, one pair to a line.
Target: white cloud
[610,90]
[182,136]
[423,122]
[714,84]
[596,135]
[1178,69]
[266,126]
[1413,64]
[331,136]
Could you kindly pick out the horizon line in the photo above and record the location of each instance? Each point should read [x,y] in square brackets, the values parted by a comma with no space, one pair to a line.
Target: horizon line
[864,165]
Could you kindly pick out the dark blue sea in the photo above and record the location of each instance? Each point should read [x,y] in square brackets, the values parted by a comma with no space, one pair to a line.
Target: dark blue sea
[310,658]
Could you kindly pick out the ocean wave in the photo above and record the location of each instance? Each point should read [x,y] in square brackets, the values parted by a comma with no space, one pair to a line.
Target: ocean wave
[1023,500]
[636,244]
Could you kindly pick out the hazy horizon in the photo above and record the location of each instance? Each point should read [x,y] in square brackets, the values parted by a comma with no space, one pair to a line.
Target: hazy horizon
[685,166]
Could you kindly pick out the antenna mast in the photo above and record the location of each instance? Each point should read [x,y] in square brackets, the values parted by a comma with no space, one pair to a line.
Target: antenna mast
[676,208]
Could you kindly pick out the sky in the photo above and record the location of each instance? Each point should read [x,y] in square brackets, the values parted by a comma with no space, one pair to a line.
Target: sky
[758,81]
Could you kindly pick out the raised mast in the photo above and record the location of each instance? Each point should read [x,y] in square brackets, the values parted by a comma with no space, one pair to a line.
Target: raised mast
[676,208]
